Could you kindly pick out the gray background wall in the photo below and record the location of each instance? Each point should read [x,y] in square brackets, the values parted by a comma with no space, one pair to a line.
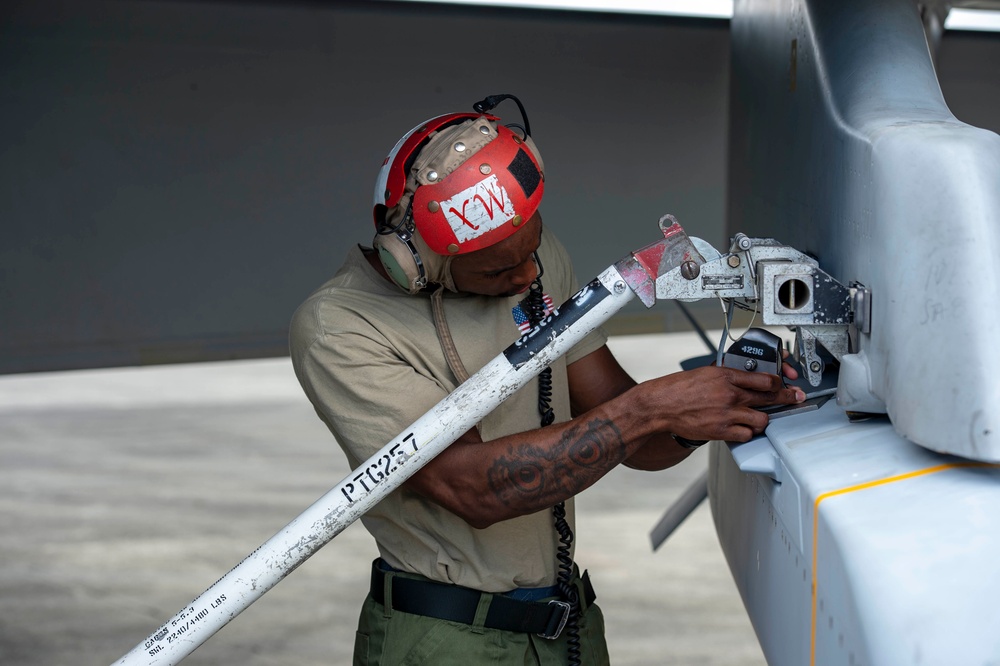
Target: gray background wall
[175,177]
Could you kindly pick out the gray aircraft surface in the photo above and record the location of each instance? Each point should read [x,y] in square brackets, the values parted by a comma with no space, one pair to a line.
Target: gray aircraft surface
[864,530]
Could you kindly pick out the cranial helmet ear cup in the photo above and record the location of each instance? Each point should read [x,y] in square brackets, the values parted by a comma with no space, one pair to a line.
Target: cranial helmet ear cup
[401,261]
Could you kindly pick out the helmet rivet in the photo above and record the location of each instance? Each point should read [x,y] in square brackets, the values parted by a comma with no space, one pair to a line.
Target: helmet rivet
[452,249]
[483,169]
[517,139]
[517,220]
[433,206]
[483,129]
[387,195]
[432,175]
[459,147]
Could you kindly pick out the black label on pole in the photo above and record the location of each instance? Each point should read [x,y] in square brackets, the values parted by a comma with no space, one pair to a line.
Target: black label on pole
[556,323]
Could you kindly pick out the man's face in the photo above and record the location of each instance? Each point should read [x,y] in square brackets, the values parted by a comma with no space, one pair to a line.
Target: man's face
[504,269]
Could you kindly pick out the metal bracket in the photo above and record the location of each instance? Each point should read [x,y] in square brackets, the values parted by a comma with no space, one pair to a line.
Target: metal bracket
[787,288]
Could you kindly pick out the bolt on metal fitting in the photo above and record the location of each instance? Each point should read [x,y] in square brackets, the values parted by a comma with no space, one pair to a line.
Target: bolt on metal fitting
[690,270]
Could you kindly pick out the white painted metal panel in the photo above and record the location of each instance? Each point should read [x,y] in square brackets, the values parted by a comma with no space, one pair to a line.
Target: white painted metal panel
[869,550]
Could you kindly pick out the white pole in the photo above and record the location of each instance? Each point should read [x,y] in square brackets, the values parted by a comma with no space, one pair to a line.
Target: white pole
[397,461]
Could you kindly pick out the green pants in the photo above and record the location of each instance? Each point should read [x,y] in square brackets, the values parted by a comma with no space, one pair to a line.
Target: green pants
[388,637]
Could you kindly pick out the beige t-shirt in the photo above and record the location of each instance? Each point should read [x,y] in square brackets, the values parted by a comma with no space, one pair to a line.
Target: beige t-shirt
[369,359]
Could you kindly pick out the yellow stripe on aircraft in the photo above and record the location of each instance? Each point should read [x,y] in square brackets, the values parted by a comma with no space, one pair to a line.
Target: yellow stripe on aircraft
[851,489]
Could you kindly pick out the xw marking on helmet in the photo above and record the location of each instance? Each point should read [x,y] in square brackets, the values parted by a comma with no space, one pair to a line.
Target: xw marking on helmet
[478,209]
[487,207]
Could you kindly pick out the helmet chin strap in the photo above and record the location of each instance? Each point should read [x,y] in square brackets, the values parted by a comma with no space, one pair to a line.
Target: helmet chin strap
[438,267]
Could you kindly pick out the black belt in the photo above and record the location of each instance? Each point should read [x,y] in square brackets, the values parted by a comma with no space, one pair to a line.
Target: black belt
[459,604]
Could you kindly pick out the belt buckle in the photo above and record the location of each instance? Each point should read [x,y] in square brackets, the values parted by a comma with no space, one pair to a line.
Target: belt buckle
[560,621]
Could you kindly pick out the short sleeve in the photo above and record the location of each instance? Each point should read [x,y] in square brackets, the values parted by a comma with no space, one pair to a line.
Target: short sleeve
[362,388]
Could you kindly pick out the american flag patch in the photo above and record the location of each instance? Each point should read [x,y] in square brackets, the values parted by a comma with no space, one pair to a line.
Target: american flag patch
[521,315]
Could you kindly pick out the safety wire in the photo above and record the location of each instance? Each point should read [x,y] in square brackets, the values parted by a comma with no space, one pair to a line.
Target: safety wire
[726,334]
[536,311]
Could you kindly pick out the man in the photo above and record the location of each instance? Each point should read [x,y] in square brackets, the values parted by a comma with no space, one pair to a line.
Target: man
[476,544]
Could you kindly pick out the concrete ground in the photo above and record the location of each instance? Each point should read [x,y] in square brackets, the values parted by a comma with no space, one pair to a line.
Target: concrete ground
[126,493]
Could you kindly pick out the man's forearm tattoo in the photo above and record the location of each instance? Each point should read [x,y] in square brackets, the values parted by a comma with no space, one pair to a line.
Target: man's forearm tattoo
[583,454]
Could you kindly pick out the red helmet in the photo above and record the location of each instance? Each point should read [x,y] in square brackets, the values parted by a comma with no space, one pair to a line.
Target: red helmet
[468,182]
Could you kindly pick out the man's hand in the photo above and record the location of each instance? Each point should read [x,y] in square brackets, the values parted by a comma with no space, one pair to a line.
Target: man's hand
[714,403]
[786,369]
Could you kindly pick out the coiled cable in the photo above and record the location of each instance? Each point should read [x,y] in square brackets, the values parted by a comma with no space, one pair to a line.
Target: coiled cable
[535,306]
[536,311]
